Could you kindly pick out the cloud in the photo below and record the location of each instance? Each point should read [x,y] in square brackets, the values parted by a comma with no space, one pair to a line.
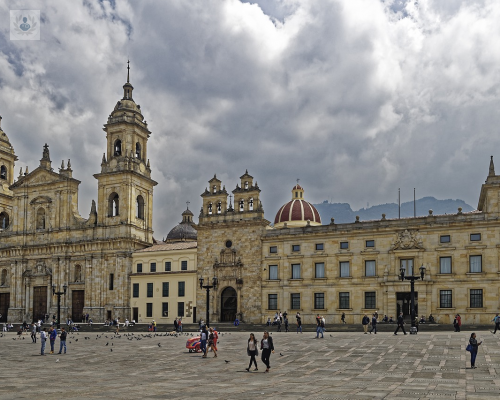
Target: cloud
[354,98]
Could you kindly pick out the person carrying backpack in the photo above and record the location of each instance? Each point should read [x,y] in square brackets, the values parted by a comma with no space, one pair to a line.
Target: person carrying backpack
[496,320]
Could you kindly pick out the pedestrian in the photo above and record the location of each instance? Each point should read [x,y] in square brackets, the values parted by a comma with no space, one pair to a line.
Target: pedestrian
[267,347]
[176,325]
[154,326]
[52,337]
[286,324]
[179,325]
[459,322]
[203,341]
[211,339]
[43,339]
[455,324]
[62,339]
[252,351]
[318,325]
[281,317]
[401,324]
[475,347]
[278,321]
[496,320]
[33,333]
[342,318]
[216,337]
[117,326]
[365,321]
[374,324]
[299,323]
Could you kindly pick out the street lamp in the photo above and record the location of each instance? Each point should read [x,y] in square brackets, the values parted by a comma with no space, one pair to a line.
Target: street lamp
[412,279]
[208,287]
[59,294]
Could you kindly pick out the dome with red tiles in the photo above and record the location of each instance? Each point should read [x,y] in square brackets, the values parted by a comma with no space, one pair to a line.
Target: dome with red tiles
[297,212]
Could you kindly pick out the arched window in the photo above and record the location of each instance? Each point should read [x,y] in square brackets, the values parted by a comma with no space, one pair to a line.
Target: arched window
[210,208]
[246,185]
[4,220]
[219,207]
[138,151]
[250,204]
[3,278]
[118,148]
[215,188]
[139,205]
[3,172]
[242,205]
[40,218]
[114,205]
[78,273]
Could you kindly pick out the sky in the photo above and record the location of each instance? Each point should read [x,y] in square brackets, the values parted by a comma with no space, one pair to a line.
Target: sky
[356,98]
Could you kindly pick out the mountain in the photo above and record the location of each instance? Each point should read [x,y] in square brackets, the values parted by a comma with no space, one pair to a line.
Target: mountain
[343,213]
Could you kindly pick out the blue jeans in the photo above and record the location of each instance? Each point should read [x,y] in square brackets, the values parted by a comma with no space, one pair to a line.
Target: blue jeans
[473,355]
[63,344]
[52,345]
[42,351]
[203,346]
[319,330]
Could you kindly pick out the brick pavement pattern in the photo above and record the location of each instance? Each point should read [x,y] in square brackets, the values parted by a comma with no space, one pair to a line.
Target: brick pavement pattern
[340,366]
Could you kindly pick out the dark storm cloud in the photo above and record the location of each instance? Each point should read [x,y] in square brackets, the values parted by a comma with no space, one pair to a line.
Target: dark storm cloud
[354,98]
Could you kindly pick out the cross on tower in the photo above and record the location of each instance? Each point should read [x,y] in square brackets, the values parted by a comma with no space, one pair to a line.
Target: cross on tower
[298,181]
[230,200]
[187,204]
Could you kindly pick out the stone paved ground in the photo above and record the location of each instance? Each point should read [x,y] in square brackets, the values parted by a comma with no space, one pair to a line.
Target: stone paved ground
[340,366]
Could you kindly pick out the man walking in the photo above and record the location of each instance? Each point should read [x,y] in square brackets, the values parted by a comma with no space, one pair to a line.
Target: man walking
[62,338]
[401,324]
[318,325]
[496,320]
[299,322]
[43,339]
[365,321]
[33,332]
[52,337]
[374,324]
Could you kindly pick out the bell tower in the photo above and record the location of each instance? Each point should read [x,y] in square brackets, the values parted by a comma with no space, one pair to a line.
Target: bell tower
[125,187]
[7,161]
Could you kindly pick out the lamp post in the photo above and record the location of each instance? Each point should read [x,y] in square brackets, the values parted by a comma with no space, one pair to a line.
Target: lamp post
[59,294]
[208,287]
[412,279]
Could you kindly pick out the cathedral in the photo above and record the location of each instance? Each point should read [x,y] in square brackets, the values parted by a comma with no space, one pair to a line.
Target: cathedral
[47,247]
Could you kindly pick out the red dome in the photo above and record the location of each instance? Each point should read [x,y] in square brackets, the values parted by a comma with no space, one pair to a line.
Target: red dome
[298,210]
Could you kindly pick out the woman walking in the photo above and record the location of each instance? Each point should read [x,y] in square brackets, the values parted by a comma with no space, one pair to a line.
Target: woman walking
[267,347]
[211,344]
[252,351]
[475,347]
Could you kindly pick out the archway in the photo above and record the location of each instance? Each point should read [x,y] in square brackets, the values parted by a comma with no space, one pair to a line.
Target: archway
[229,304]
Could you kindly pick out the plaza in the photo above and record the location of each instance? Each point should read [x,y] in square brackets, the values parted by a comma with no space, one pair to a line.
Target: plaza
[343,365]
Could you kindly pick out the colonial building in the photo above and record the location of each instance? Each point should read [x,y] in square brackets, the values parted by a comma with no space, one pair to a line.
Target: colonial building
[45,243]
[300,265]
[164,280]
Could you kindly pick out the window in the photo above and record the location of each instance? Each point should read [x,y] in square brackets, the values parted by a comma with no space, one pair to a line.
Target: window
[344,269]
[445,265]
[476,298]
[40,218]
[113,205]
[273,272]
[344,245]
[370,243]
[319,246]
[295,247]
[444,239]
[295,301]
[319,301]
[150,290]
[370,300]
[475,264]
[166,289]
[475,237]
[168,266]
[210,206]
[139,268]
[273,249]
[4,220]
[3,172]
[250,204]
[181,289]
[319,270]
[445,299]
[152,267]
[242,205]
[135,290]
[295,271]
[219,207]
[149,310]
[272,301]
[184,265]
[138,151]
[407,266]
[78,273]
[164,309]
[111,281]
[139,207]
[180,309]
[370,268]
[118,148]
[344,300]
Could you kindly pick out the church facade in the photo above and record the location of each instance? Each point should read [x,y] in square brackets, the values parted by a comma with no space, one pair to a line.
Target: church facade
[46,246]
[300,264]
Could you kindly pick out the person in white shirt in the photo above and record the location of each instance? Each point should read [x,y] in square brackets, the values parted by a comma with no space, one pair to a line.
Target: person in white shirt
[43,339]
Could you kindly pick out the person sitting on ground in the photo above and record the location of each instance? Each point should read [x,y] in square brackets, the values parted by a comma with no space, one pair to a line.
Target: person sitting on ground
[391,320]
[236,322]
[431,319]
[422,319]
[385,319]
[268,322]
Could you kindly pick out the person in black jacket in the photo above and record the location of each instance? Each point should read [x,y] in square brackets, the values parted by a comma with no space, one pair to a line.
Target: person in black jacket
[475,347]
[62,338]
[267,347]
[401,324]
[252,351]
[365,321]
[374,324]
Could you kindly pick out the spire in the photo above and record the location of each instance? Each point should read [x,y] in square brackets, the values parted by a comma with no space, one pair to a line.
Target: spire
[128,71]
[128,88]
[492,168]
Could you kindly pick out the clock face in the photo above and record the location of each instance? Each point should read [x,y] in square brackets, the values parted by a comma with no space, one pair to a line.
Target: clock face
[229,244]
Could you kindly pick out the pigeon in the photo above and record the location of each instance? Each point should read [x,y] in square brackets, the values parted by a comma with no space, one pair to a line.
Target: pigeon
[57,360]
[112,344]
[111,349]
[107,343]
[227,362]
[281,355]
[159,345]
[76,340]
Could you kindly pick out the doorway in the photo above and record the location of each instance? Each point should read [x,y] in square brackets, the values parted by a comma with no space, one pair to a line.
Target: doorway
[4,306]
[39,302]
[77,298]
[403,303]
[135,314]
[229,304]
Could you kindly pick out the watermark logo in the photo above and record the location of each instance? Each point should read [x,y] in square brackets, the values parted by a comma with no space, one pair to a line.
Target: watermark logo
[24,24]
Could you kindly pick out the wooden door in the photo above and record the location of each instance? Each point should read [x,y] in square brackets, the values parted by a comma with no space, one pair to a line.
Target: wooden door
[4,306]
[77,302]
[39,302]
